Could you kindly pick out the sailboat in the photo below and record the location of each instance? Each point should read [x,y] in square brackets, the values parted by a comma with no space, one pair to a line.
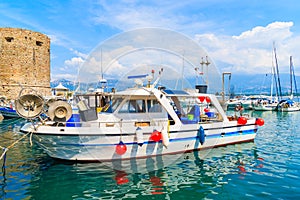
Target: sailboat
[289,104]
[269,103]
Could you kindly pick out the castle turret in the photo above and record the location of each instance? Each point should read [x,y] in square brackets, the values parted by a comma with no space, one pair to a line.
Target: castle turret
[24,60]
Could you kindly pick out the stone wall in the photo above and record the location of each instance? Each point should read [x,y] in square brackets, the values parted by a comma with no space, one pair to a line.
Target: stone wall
[24,62]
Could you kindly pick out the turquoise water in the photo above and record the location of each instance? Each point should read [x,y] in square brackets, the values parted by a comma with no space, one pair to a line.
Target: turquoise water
[269,168]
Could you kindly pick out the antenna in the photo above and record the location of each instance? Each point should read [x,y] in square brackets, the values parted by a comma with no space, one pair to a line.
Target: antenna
[159,76]
[207,63]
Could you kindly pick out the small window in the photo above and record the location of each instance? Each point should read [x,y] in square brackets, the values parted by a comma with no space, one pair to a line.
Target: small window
[154,106]
[9,39]
[39,43]
[116,103]
[133,106]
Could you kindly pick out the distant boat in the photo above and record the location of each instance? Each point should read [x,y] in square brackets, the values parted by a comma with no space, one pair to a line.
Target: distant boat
[245,101]
[289,105]
[7,108]
[265,103]
[8,111]
[268,103]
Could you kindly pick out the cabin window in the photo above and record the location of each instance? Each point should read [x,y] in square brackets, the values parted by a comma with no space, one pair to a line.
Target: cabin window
[154,106]
[115,103]
[133,106]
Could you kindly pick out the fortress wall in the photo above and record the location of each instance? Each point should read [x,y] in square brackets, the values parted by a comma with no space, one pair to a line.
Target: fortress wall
[24,60]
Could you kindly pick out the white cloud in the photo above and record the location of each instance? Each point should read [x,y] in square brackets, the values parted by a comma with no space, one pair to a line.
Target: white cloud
[77,53]
[66,76]
[72,66]
[74,62]
[251,51]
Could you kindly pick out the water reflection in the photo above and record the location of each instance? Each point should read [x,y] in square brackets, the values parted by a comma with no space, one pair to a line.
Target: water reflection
[268,168]
[200,172]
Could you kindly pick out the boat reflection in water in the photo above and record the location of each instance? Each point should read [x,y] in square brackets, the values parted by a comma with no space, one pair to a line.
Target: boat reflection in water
[163,176]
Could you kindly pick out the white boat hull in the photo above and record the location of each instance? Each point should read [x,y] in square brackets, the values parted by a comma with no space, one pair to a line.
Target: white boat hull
[265,107]
[99,144]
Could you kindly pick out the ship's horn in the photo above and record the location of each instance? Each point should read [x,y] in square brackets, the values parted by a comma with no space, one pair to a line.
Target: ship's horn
[29,106]
[59,111]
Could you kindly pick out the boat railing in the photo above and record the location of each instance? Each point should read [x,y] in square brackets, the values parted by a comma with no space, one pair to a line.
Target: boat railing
[139,123]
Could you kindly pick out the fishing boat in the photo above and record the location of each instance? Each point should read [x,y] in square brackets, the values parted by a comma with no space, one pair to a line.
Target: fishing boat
[8,112]
[7,108]
[138,122]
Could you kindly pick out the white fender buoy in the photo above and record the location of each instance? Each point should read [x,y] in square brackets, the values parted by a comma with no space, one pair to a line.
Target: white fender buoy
[139,136]
[165,137]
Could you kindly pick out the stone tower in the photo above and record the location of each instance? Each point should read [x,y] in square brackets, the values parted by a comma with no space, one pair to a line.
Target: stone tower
[24,60]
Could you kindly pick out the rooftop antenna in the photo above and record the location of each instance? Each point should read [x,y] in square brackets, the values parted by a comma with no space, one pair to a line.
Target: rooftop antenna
[182,70]
[159,76]
[207,63]
[102,81]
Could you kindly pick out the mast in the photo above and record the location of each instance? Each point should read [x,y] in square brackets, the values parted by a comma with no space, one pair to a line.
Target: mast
[291,77]
[293,73]
[274,76]
[277,70]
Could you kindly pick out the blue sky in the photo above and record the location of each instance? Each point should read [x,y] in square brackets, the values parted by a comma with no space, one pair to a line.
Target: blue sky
[237,34]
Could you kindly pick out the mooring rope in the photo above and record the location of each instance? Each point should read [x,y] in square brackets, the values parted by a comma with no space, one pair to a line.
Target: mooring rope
[5,149]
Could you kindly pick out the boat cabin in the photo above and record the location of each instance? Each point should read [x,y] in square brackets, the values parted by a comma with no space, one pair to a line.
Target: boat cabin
[141,104]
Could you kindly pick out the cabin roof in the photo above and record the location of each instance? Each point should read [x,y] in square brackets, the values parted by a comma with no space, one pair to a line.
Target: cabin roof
[133,92]
[175,92]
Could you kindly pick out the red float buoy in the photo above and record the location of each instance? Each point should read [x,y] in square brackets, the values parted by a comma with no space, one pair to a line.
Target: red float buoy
[260,122]
[201,98]
[206,110]
[121,148]
[242,121]
[207,99]
[155,136]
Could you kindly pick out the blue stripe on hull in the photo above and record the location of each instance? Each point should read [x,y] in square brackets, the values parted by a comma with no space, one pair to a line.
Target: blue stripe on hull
[214,136]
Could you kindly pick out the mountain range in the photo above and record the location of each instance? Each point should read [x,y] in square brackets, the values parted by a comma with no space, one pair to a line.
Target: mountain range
[239,83]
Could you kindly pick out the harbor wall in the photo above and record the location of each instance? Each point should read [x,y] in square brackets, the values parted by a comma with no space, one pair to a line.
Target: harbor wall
[24,62]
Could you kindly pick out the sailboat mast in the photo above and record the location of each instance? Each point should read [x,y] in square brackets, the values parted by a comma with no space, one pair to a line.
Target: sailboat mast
[295,82]
[277,70]
[291,76]
[274,76]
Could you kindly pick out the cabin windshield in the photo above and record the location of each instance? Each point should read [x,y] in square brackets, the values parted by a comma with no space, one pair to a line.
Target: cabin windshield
[116,103]
[139,108]
[192,110]
[136,105]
